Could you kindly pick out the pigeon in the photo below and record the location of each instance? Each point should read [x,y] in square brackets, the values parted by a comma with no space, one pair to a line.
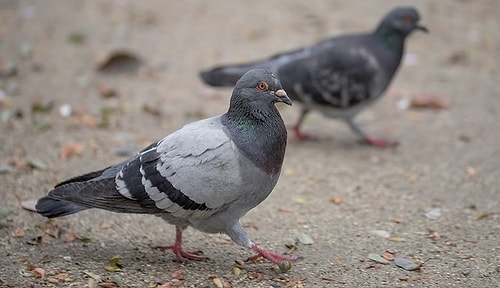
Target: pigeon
[338,76]
[206,175]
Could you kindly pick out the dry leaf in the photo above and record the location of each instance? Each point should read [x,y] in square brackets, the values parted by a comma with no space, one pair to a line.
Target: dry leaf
[153,110]
[114,265]
[36,164]
[299,199]
[471,172]
[108,285]
[38,272]
[174,283]
[429,102]
[62,276]
[236,271]
[397,239]
[177,283]
[105,227]
[108,92]
[482,215]
[404,278]
[377,258]
[70,237]
[388,256]
[46,239]
[85,120]
[336,199]
[397,221]
[177,273]
[93,276]
[284,267]
[71,149]
[119,61]
[434,235]
[458,57]
[218,282]
[19,232]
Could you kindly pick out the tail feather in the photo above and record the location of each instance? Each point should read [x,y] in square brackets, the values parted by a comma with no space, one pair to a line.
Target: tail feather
[77,196]
[53,208]
[224,76]
[228,75]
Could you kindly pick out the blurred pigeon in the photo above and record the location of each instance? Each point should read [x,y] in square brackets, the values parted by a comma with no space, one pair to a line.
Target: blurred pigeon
[338,76]
[206,175]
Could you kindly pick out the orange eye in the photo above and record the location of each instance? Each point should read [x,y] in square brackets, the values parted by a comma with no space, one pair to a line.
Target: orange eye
[262,86]
[408,18]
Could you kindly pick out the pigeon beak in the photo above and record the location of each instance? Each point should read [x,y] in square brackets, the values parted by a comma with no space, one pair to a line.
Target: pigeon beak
[422,28]
[281,94]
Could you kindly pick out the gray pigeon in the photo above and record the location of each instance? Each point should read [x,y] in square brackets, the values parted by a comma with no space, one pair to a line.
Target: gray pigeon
[207,175]
[338,76]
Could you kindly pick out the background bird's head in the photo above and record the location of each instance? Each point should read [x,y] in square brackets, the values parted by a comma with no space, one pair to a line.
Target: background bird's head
[402,20]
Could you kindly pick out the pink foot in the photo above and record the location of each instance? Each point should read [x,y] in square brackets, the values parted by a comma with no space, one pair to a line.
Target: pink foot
[271,256]
[302,136]
[180,254]
[378,142]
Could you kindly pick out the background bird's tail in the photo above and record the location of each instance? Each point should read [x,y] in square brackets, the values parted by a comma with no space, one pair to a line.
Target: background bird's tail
[224,76]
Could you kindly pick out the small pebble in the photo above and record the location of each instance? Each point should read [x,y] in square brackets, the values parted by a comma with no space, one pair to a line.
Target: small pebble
[405,264]
[403,104]
[377,258]
[65,110]
[381,233]
[8,70]
[433,214]
[26,50]
[305,239]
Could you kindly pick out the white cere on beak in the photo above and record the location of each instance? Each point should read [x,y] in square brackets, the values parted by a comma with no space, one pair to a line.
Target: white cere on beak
[280,93]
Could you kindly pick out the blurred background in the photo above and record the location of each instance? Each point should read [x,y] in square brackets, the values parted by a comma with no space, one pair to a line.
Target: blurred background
[84,84]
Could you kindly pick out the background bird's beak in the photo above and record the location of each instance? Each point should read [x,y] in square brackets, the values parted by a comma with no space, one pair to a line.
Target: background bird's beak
[422,28]
[283,97]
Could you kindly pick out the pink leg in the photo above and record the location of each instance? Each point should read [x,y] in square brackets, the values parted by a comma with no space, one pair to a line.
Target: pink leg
[379,142]
[301,136]
[376,142]
[273,257]
[180,254]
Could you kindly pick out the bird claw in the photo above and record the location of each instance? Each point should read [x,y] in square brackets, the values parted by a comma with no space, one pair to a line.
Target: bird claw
[302,136]
[182,256]
[379,142]
[276,258]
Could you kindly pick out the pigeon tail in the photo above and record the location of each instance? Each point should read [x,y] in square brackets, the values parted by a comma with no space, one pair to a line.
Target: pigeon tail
[223,76]
[53,208]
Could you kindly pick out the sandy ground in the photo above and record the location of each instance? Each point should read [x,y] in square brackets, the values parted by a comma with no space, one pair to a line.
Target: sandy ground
[352,200]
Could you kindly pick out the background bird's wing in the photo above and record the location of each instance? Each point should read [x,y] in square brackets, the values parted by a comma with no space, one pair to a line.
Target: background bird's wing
[336,72]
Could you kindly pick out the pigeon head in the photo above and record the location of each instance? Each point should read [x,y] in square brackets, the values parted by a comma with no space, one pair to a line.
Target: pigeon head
[402,21]
[255,123]
[257,89]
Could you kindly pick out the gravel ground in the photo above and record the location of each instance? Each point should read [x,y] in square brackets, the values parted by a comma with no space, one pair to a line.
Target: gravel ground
[434,200]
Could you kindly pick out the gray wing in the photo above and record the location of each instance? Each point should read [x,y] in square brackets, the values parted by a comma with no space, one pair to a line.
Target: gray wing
[192,173]
[336,73]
